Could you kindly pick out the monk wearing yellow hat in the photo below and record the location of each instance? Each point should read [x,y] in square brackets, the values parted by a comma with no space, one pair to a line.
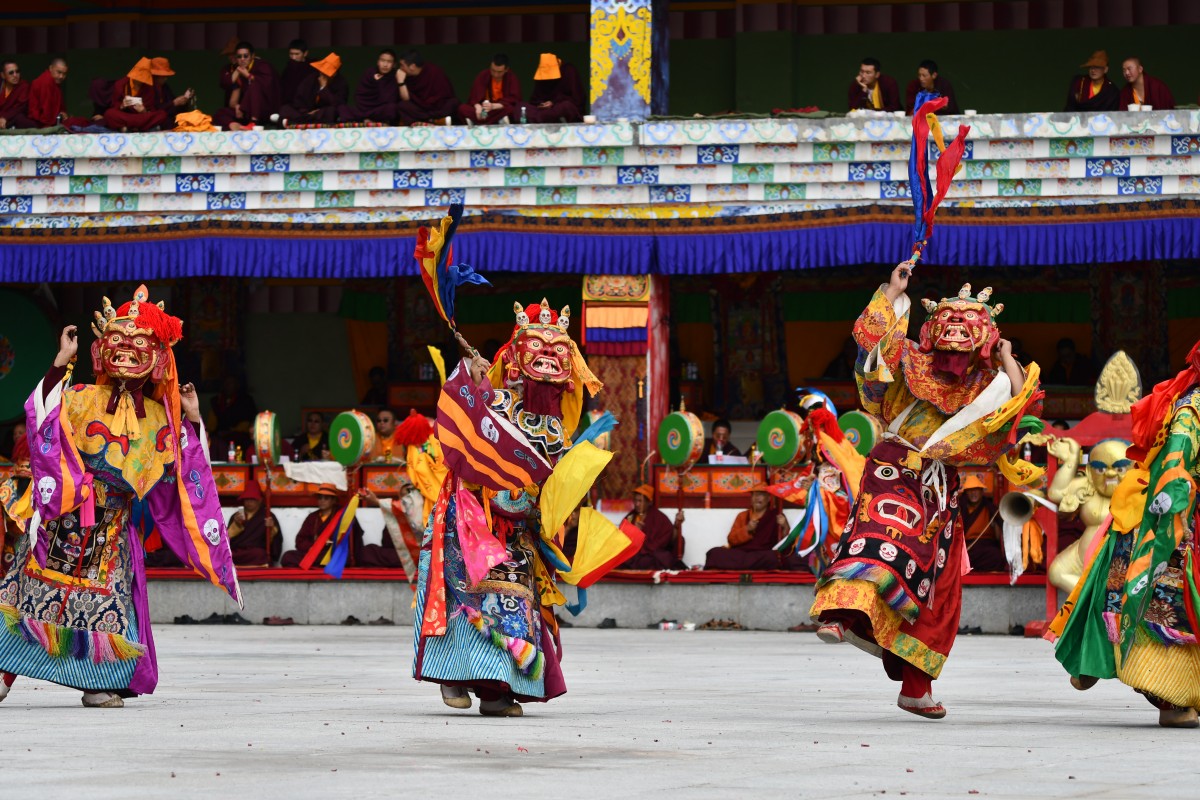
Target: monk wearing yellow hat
[319,96]
[979,518]
[1093,91]
[557,92]
[133,106]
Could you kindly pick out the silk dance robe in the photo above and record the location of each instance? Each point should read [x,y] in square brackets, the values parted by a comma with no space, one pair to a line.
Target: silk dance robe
[74,600]
[497,636]
[1148,551]
[895,581]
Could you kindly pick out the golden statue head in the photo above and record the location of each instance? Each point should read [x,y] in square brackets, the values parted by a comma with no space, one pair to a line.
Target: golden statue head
[1107,464]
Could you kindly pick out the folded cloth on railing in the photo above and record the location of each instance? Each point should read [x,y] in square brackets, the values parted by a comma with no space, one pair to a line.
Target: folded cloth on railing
[316,472]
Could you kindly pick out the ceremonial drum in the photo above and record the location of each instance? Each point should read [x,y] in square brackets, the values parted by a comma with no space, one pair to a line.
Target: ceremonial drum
[781,438]
[862,430]
[351,438]
[266,438]
[681,439]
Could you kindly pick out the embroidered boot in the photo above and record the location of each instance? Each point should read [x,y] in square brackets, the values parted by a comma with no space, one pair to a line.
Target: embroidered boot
[455,696]
[504,707]
[1178,718]
[102,700]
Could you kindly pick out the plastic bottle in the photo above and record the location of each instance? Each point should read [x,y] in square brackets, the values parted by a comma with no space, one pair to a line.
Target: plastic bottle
[523,119]
[232,454]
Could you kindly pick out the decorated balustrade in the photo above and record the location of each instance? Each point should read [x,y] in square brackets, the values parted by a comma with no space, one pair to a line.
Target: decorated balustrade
[698,167]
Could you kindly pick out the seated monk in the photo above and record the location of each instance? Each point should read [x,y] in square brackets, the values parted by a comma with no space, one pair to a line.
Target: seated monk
[1093,91]
[297,68]
[718,443]
[426,94]
[1143,89]
[167,100]
[928,80]
[552,99]
[495,95]
[134,106]
[872,90]
[251,528]
[14,98]
[385,429]
[315,525]
[984,545]
[661,549]
[253,91]
[319,97]
[755,532]
[377,97]
[47,107]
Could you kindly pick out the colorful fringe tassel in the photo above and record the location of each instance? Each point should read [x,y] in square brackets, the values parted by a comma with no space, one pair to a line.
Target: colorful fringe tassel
[890,589]
[530,660]
[81,645]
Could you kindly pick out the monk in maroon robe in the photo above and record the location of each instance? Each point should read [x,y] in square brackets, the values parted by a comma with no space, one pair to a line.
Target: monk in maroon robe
[553,97]
[251,528]
[377,97]
[14,98]
[495,94]
[425,92]
[320,95]
[1143,89]
[375,555]
[134,106]
[928,80]
[164,97]
[872,90]
[662,548]
[255,93]
[755,532]
[294,72]
[46,105]
[1093,91]
[984,546]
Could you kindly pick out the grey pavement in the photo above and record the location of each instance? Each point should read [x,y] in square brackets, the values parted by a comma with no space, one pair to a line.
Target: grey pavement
[331,712]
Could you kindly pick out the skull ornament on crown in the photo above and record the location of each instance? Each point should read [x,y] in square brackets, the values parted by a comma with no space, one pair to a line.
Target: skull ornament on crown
[540,349]
[962,324]
[133,342]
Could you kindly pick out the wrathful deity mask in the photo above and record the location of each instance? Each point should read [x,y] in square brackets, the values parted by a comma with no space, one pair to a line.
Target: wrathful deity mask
[1107,464]
[541,350]
[132,343]
[962,324]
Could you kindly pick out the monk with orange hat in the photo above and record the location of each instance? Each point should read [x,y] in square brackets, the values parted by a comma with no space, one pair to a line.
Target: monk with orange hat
[661,548]
[979,516]
[1093,91]
[166,99]
[319,96]
[134,106]
[553,99]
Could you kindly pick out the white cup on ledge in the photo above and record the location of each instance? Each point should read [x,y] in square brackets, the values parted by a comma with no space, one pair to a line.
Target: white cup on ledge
[897,113]
[970,112]
[590,119]
[1147,108]
[1133,107]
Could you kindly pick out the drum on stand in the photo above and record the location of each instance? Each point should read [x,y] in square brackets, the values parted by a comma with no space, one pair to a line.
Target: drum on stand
[681,439]
[781,439]
[351,438]
[862,430]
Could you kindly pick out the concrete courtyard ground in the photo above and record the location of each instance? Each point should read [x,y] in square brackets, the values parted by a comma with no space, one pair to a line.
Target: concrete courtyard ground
[330,712]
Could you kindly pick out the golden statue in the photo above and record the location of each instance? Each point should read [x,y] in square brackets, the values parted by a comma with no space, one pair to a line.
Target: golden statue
[1089,495]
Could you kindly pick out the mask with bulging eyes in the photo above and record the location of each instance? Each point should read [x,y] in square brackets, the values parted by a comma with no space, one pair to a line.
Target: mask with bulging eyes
[127,352]
[543,354]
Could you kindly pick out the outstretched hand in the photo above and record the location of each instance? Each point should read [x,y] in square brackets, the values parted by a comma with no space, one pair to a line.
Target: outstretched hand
[68,346]
[898,284]
[189,401]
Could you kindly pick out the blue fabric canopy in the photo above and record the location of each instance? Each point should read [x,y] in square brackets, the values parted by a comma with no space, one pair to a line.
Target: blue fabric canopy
[1164,229]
